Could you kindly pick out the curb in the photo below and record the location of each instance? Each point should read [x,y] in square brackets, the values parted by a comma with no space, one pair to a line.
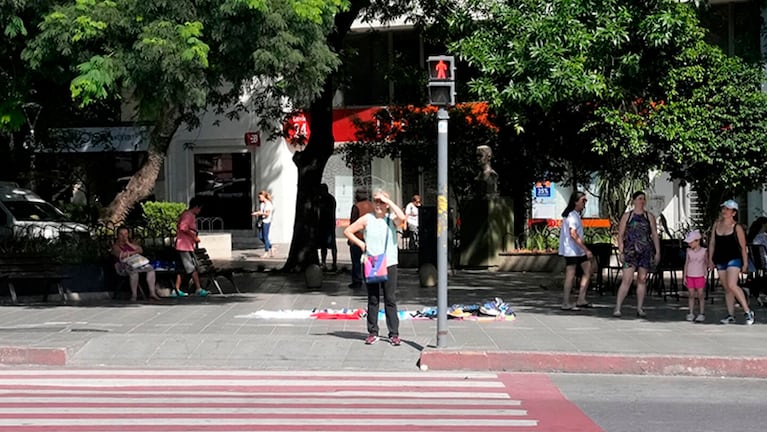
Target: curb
[33,356]
[561,362]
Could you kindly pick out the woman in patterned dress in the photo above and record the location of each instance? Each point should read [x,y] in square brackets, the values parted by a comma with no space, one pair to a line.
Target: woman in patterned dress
[638,250]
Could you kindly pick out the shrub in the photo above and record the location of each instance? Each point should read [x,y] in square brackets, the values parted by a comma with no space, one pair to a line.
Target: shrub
[161,217]
[542,238]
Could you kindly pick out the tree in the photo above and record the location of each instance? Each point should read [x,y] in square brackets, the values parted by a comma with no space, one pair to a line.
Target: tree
[413,140]
[174,59]
[709,131]
[311,162]
[591,83]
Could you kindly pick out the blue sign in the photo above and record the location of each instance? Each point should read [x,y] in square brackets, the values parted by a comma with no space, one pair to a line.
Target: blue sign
[543,192]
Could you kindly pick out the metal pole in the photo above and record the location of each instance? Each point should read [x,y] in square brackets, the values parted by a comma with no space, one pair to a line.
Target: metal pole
[442,119]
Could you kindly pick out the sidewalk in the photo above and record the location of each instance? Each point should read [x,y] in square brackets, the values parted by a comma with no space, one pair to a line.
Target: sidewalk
[223,332]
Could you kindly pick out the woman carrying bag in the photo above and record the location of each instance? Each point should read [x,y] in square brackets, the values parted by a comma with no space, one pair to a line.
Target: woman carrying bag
[379,246]
[130,263]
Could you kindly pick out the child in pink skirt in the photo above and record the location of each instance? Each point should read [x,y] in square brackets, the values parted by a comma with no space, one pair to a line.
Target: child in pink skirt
[695,271]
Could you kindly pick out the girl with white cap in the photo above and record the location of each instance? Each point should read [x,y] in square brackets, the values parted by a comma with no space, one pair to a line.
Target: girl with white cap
[728,253]
[694,275]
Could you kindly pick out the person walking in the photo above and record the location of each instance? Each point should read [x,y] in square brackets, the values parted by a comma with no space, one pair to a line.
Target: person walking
[264,213]
[362,207]
[411,212]
[380,237]
[327,217]
[638,250]
[694,276]
[574,251]
[186,241]
[728,253]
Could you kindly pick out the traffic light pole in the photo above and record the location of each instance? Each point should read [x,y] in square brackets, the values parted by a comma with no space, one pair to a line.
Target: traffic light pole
[442,227]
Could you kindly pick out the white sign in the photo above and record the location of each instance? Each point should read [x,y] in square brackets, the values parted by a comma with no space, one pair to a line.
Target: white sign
[344,194]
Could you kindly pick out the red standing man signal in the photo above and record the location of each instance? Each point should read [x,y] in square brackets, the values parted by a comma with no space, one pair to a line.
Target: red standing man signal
[441,69]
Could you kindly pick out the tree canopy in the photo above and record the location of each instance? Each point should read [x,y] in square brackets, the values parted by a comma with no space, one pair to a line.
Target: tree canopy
[617,87]
[173,59]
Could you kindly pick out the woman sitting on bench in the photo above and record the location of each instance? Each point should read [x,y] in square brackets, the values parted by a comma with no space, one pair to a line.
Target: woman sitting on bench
[124,248]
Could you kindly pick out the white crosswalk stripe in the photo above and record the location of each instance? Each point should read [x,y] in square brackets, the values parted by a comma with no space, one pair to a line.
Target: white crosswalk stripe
[177,400]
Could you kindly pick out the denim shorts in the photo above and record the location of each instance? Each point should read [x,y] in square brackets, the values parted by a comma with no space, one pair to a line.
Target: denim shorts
[737,262]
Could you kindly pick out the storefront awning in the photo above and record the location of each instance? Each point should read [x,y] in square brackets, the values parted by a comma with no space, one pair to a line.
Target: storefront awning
[344,129]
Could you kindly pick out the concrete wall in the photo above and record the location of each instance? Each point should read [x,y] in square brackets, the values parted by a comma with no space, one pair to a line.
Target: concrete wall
[273,169]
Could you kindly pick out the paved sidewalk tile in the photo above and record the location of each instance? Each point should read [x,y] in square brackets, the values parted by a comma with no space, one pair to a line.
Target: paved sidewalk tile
[224,332]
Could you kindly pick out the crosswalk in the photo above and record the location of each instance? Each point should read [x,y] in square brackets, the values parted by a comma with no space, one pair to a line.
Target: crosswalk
[179,400]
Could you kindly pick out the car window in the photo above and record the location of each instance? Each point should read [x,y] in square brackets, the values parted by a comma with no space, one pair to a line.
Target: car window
[33,211]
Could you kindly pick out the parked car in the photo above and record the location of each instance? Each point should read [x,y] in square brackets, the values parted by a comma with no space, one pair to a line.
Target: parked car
[24,213]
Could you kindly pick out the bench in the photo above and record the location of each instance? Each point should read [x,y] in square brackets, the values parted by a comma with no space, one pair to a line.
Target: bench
[41,269]
[207,270]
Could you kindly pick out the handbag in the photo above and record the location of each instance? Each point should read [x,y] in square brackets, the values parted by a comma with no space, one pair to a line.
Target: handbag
[375,268]
[136,261]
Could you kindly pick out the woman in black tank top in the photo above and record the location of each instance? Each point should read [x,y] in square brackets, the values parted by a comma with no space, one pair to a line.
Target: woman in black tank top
[727,252]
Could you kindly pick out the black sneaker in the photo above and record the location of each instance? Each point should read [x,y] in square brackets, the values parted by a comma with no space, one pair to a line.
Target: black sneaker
[750,317]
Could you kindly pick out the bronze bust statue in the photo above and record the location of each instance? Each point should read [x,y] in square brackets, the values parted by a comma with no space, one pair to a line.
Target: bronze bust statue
[486,182]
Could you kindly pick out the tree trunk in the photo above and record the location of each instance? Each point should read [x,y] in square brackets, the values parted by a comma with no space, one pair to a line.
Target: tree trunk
[142,182]
[311,162]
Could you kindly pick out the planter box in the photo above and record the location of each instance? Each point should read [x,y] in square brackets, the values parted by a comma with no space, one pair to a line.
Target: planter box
[530,262]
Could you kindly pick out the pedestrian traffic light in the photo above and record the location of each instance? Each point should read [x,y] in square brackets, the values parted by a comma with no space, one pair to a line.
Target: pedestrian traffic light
[441,68]
[441,80]
[442,93]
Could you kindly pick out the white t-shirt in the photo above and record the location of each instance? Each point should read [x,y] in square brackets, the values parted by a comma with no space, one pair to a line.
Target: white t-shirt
[267,206]
[411,211]
[567,246]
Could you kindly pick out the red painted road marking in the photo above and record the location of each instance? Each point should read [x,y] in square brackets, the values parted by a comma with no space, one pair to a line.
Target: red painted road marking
[138,401]
[544,401]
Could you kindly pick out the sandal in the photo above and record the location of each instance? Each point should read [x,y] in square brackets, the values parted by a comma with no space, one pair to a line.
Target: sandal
[584,305]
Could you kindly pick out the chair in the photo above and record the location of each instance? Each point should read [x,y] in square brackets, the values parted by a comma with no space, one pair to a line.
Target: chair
[758,255]
[604,253]
[672,257]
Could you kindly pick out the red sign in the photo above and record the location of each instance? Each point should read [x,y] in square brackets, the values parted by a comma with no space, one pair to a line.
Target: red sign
[296,129]
[252,139]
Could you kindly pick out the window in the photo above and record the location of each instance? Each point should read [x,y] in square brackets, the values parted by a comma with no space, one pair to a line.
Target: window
[33,211]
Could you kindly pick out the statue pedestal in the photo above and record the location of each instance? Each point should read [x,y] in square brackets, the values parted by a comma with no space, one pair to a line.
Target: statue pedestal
[487,229]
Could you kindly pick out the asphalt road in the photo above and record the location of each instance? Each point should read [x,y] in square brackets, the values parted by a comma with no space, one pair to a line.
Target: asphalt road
[667,404]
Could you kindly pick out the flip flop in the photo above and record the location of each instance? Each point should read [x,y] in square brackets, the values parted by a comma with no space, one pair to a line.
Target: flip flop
[584,305]
[569,308]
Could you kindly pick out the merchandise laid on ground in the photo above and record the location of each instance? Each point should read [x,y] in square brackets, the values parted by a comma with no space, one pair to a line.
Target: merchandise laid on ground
[495,310]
